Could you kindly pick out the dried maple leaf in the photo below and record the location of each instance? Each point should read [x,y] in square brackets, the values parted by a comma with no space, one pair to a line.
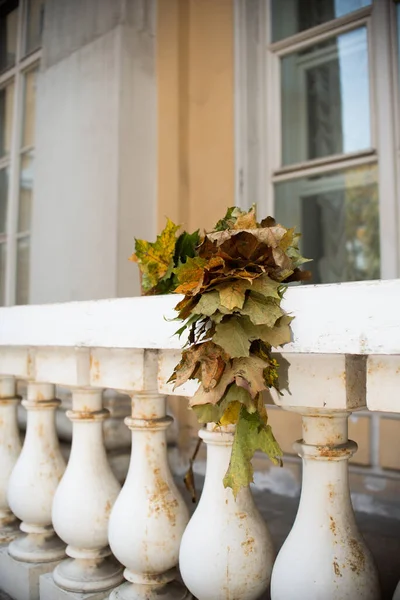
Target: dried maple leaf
[190,276]
[211,359]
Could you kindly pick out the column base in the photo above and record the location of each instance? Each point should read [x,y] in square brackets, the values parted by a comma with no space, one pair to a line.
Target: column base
[49,590]
[20,579]
[37,547]
[88,575]
[174,590]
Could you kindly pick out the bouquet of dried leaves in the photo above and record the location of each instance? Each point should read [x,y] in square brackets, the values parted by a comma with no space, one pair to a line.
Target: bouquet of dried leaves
[233,280]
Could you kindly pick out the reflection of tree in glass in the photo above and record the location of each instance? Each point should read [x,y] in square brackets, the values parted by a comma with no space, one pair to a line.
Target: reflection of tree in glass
[362,226]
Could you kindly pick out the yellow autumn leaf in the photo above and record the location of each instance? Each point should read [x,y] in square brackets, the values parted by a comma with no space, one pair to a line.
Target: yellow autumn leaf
[231,415]
[155,258]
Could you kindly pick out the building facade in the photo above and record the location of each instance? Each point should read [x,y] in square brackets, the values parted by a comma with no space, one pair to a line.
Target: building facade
[115,114]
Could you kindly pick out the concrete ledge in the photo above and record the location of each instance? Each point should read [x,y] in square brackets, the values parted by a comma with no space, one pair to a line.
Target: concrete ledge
[20,579]
[50,591]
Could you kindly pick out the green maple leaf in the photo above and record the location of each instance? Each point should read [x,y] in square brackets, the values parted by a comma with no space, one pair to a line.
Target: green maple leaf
[232,294]
[212,413]
[186,246]
[251,434]
[156,258]
[261,310]
[279,334]
[231,336]
[266,286]
[208,304]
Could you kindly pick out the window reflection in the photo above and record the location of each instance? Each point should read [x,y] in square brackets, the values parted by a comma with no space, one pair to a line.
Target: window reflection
[292,16]
[338,215]
[325,99]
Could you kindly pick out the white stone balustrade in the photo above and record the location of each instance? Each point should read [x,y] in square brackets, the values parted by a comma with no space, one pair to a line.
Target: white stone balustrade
[83,501]
[226,550]
[149,516]
[128,346]
[327,552]
[10,448]
[35,477]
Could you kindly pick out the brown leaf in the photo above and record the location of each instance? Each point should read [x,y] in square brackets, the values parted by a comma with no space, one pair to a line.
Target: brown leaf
[232,294]
[209,356]
[202,396]
[249,374]
[246,220]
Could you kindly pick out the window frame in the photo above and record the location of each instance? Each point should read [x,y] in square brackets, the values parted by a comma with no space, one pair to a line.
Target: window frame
[24,62]
[258,109]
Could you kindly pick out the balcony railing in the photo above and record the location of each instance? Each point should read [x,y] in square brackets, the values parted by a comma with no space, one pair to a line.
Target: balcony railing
[80,532]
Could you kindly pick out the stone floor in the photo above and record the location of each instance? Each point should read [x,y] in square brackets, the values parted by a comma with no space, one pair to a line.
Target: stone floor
[382,535]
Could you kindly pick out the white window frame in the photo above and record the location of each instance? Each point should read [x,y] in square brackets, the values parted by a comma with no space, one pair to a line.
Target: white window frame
[258,113]
[23,64]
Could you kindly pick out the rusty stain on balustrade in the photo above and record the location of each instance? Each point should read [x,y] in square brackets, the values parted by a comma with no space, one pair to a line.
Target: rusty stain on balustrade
[94,368]
[248,545]
[108,508]
[337,569]
[357,559]
[332,525]
[330,452]
[162,501]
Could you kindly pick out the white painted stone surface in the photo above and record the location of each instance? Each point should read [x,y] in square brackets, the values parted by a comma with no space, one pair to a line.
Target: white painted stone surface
[330,319]
[383,380]
[83,502]
[34,479]
[50,591]
[10,448]
[226,550]
[149,516]
[327,555]
[21,579]
[97,85]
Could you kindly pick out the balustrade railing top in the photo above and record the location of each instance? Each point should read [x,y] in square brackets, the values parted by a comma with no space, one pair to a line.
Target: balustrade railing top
[348,318]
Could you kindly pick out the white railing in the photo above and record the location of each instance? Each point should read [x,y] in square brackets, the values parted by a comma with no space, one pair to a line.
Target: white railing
[80,529]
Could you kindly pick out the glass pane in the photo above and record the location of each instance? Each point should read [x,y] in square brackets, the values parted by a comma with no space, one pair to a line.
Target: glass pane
[34,24]
[4,174]
[292,16]
[338,216]
[28,131]
[6,116]
[25,192]
[325,99]
[2,274]
[22,291]
[8,34]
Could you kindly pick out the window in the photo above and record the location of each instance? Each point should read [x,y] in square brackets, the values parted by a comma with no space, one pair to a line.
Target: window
[21,25]
[316,124]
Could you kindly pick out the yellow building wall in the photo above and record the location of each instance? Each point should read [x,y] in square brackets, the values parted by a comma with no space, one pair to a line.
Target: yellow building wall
[195,111]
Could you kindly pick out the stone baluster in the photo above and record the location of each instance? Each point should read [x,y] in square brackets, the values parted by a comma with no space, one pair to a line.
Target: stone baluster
[324,555]
[34,479]
[83,502]
[149,516]
[226,550]
[10,448]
